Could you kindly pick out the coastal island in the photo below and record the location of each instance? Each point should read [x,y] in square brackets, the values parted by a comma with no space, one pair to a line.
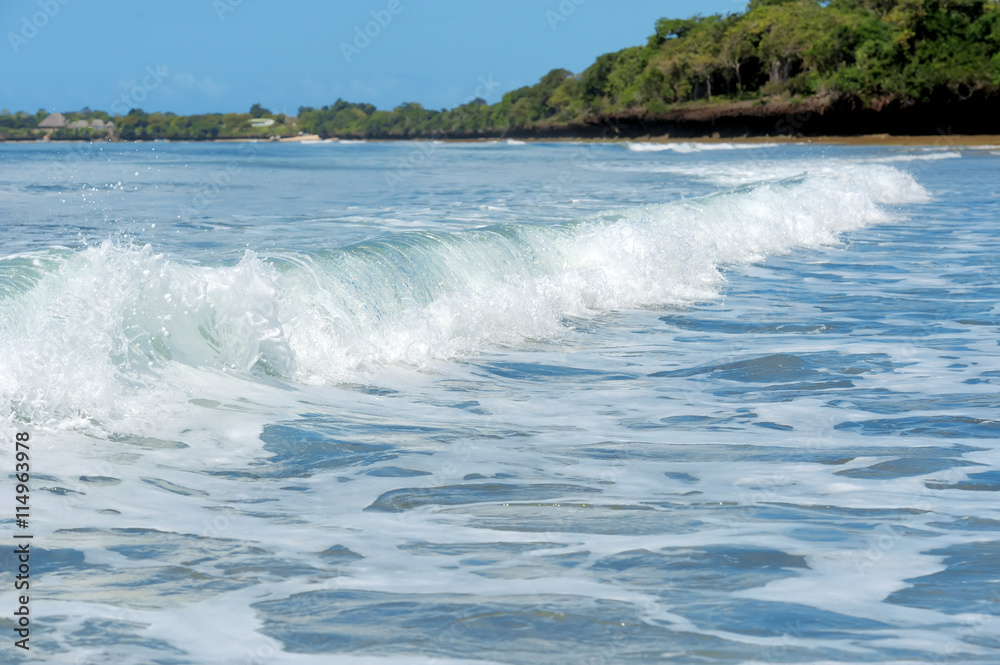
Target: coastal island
[783,67]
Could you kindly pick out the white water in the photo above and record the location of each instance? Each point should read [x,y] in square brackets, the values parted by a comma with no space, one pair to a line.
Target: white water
[542,403]
[88,332]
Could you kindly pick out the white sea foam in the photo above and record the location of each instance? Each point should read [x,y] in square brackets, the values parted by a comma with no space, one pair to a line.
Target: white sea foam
[927,157]
[96,327]
[757,169]
[752,454]
[693,146]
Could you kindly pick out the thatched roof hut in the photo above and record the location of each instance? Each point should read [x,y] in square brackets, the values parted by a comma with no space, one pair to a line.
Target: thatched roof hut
[54,121]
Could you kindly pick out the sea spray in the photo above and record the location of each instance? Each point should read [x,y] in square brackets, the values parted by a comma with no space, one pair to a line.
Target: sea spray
[604,489]
[91,334]
[422,296]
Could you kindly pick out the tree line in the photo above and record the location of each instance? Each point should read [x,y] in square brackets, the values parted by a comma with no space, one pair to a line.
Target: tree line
[869,53]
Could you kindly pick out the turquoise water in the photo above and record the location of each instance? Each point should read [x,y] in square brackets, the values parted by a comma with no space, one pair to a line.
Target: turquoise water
[503,403]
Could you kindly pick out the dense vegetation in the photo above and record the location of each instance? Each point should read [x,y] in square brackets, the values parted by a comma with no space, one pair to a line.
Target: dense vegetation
[870,53]
[138,125]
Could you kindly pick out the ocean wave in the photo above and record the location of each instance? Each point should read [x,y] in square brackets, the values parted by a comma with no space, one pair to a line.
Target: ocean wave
[755,170]
[97,333]
[926,157]
[692,146]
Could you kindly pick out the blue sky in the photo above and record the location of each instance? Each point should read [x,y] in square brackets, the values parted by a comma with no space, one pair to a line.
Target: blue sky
[203,56]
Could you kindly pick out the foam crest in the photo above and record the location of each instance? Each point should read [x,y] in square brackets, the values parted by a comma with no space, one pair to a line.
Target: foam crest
[63,338]
[692,146]
[418,297]
[98,332]
[761,169]
[105,332]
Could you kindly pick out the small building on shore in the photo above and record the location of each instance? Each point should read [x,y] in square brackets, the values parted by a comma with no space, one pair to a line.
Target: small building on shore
[53,121]
[96,123]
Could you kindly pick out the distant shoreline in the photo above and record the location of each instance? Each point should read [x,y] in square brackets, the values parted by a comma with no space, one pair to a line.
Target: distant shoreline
[936,140]
[816,119]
